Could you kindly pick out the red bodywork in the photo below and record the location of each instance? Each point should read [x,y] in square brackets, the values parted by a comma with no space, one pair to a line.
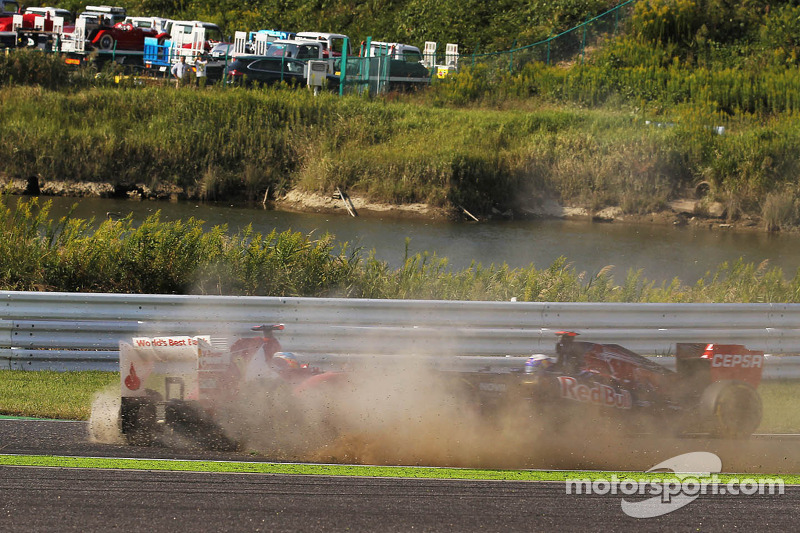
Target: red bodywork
[713,389]
[733,361]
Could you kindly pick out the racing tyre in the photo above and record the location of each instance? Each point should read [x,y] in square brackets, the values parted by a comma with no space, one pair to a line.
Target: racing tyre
[734,407]
[138,422]
[106,42]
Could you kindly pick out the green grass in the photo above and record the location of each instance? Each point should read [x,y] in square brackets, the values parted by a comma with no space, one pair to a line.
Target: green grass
[45,394]
[238,144]
[780,400]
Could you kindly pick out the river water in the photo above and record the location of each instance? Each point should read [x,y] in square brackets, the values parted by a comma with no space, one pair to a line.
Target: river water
[661,252]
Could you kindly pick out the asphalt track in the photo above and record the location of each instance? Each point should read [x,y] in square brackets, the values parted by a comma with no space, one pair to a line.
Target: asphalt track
[62,499]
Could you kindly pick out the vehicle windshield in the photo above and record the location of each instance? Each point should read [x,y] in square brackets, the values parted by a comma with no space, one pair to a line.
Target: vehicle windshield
[278,50]
[214,35]
[337,45]
[10,7]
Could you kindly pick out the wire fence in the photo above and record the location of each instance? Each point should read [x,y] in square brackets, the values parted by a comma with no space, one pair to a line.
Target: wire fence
[567,46]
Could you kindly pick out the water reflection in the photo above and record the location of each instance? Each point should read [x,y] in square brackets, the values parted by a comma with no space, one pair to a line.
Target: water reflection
[662,252]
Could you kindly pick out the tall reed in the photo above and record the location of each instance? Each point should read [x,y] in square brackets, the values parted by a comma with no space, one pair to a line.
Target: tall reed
[184,257]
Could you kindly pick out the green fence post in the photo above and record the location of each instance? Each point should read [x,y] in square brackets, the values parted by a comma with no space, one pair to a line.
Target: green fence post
[365,63]
[511,58]
[343,66]
[583,43]
[475,52]
[549,40]
[225,70]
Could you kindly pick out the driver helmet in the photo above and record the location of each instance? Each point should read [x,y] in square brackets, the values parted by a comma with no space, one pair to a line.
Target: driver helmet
[287,358]
[537,363]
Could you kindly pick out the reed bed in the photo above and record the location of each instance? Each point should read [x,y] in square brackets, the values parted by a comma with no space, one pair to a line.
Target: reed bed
[183,257]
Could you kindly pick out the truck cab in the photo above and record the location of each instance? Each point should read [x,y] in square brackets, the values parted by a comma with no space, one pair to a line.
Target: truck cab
[158,24]
[333,43]
[8,8]
[296,49]
[102,15]
[396,51]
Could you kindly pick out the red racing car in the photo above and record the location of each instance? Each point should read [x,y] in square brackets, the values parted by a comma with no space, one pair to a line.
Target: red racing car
[183,384]
[713,390]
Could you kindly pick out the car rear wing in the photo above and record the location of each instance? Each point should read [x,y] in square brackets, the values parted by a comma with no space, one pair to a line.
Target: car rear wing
[710,362]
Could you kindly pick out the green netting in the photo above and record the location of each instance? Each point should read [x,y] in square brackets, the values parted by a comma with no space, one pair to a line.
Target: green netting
[382,73]
[567,46]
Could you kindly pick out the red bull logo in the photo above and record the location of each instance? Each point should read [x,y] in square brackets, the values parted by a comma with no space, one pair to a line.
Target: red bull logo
[602,395]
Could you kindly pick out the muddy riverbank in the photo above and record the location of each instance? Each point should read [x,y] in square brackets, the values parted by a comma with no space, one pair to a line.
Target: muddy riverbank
[683,212]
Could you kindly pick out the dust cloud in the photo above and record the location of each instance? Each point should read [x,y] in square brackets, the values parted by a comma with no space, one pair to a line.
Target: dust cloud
[402,412]
[406,413]
[104,420]
[391,414]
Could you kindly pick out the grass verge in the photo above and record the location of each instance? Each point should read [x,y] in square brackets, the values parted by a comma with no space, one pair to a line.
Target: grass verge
[46,394]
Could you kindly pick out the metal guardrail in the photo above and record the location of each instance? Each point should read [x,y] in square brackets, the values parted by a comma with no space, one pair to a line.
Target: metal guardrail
[82,331]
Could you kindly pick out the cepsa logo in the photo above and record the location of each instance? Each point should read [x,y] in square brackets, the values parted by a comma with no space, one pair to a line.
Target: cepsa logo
[728,360]
[599,394]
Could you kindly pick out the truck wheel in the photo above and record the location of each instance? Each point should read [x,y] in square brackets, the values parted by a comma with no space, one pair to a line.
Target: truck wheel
[106,42]
[734,407]
[139,423]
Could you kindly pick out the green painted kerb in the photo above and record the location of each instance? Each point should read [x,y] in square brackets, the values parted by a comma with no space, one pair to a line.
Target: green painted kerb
[346,470]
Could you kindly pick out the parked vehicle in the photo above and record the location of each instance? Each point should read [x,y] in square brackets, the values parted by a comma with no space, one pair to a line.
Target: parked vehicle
[396,51]
[333,43]
[192,36]
[51,12]
[120,36]
[103,15]
[33,27]
[149,23]
[247,70]
[8,7]
[296,49]
[256,40]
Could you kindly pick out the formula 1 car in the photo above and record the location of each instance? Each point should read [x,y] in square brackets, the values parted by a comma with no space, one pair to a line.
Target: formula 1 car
[181,383]
[713,391]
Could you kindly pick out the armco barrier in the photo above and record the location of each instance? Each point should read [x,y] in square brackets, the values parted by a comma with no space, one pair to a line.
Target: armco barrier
[78,330]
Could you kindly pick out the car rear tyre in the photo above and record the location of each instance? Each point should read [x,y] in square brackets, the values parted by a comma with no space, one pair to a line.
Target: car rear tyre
[734,407]
[139,423]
